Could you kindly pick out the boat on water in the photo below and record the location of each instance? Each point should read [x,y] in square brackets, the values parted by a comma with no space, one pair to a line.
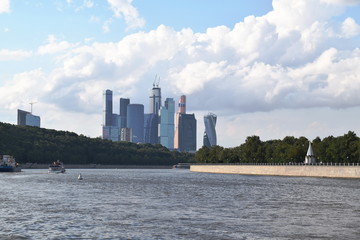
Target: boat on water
[56,167]
[8,164]
[80,177]
[181,166]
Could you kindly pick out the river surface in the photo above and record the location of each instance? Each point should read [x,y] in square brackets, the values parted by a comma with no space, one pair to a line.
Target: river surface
[175,204]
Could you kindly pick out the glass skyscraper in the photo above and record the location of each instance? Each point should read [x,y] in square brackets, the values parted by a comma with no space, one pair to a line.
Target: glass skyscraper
[185,132]
[210,132]
[123,111]
[107,108]
[151,128]
[155,100]
[135,121]
[166,124]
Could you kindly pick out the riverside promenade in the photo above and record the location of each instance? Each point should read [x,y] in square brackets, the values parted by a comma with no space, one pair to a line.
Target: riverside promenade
[328,171]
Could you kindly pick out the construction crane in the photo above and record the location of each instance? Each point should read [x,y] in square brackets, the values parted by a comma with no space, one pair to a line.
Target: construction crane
[156,81]
[32,103]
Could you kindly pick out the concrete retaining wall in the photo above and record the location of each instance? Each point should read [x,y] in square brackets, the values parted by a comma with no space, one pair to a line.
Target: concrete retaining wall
[286,170]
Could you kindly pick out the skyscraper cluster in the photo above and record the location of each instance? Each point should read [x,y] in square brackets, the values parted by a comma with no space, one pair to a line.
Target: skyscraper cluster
[155,127]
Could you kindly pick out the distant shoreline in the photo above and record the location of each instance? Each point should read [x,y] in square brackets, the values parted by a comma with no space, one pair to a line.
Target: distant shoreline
[95,166]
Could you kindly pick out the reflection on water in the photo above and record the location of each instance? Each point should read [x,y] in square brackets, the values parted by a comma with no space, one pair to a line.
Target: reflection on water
[175,204]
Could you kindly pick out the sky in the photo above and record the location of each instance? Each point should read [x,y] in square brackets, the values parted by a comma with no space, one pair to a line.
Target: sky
[267,68]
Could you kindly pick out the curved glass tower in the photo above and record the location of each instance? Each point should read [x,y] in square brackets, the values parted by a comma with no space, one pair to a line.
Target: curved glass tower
[210,132]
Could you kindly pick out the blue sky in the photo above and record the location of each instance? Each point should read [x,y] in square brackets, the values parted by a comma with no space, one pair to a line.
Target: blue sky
[266,68]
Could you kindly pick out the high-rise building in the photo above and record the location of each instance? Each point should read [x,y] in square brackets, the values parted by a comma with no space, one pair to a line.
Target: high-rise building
[135,121]
[25,118]
[166,124]
[107,108]
[187,132]
[185,129]
[155,100]
[210,132]
[123,111]
[181,109]
[151,128]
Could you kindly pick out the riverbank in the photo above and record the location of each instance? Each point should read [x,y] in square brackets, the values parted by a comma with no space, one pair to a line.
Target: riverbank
[283,170]
[95,166]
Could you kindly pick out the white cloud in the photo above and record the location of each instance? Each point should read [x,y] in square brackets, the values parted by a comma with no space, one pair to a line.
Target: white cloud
[14,55]
[350,28]
[291,58]
[124,9]
[4,6]
[54,46]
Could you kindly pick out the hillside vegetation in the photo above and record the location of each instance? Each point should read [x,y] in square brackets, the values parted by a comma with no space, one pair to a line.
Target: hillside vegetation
[39,145]
[342,149]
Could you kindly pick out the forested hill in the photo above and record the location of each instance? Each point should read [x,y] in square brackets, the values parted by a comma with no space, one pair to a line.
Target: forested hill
[342,149]
[39,145]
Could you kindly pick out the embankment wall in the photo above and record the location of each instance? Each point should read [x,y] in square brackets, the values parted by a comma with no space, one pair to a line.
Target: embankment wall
[282,170]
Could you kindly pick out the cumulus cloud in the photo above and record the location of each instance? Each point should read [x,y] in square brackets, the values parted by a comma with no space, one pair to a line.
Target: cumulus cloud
[4,6]
[124,9]
[294,57]
[14,55]
[54,46]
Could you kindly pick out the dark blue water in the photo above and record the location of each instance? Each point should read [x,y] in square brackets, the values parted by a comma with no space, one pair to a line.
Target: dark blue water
[175,204]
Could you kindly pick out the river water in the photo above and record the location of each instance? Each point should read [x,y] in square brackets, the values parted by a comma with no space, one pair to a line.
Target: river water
[175,204]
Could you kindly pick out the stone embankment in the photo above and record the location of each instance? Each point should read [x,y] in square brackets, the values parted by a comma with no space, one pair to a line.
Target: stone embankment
[330,171]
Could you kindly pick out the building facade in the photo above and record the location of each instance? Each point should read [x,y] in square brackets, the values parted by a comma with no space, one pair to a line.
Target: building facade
[210,132]
[151,128]
[126,134]
[135,121]
[107,108]
[166,124]
[181,110]
[25,118]
[111,133]
[123,111]
[155,100]
[186,132]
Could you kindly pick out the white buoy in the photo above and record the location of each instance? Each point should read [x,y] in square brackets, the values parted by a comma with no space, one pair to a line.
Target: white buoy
[80,177]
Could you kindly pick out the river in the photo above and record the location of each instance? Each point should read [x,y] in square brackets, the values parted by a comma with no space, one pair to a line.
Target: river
[175,204]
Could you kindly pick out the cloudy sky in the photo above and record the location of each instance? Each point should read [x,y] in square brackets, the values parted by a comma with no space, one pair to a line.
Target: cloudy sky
[272,69]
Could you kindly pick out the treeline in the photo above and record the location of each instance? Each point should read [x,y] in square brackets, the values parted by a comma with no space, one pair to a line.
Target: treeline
[343,149]
[39,145]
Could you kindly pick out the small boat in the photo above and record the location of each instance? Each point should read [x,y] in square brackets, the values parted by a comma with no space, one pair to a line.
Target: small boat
[56,167]
[80,177]
[8,164]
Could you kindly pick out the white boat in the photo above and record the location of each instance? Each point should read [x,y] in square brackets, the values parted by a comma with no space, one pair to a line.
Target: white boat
[80,177]
[56,167]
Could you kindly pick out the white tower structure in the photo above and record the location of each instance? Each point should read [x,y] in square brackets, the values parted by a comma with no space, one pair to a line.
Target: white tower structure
[310,157]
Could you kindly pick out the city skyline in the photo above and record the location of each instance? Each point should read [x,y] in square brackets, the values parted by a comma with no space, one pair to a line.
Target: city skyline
[267,68]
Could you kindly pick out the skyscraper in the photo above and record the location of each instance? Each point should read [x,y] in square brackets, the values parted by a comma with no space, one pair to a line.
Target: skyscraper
[210,132]
[135,121]
[151,128]
[181,109]
[166,124]
[187,132]
[155,99]
[107,108]
[123,111]
[185,129]
[27,119]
